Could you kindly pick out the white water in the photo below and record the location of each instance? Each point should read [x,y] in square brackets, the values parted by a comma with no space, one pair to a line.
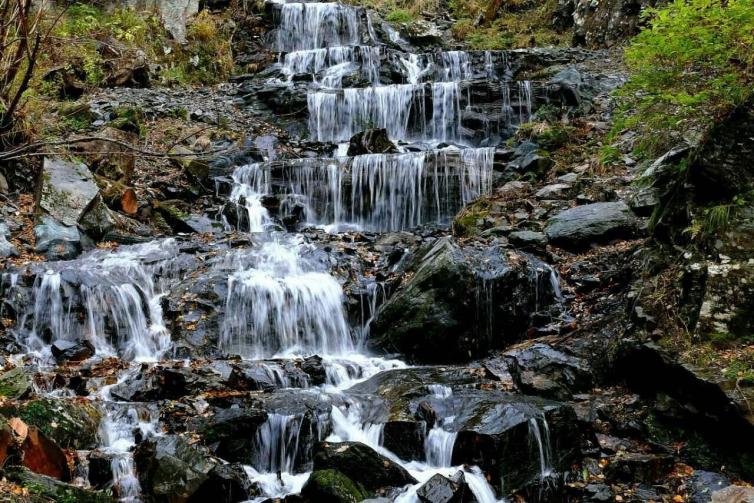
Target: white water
[330,64]
[113,288]
[383,192]
[282,305]
[316,25]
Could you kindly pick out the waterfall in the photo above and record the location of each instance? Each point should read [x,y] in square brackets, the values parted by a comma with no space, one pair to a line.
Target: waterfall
[276,443]
[540,437]
[281,305]
[316,25]
[382,192]
[335,62]
[119,295]
[438,447]
[118,438]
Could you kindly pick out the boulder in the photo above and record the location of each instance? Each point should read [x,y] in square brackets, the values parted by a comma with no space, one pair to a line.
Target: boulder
[74,351]
[734,494]
[6,248]
[639,467]
[15,384]
[459,302]
[592,223]
[113,160]
[703,485]
[528,240]
[226,484]
[72,423]
[175,14]
[168,383]
[171,469]
[441,489]
[230,432]
[194,166]
[42,455]
[362,464]
[604,24]
[555,191]
[53,490]
[542,370]
[58,241]
[332,485]
[371,141]
[66,190]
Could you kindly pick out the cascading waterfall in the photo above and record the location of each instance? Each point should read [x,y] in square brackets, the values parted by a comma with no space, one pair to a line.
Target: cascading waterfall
[282,305]
[120,297]
[316,25]
[382,192]
[540,436]
[328,65]
[276,443]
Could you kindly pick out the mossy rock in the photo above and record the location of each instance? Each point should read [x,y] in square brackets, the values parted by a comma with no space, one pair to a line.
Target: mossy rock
[471,220]
[44,488]
[332,485]
[70,423]
[15,384]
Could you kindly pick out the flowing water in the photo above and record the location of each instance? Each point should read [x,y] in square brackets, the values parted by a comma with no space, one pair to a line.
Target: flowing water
[281,301]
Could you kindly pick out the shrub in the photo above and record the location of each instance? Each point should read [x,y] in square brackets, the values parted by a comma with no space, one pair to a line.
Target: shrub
[399,16]
[692,66]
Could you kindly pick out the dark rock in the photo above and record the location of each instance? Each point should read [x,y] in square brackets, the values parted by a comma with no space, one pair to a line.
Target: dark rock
[332,485]
[371,141]
[541,370]
[230,432]
[71,423]
[66,190]
[170,469]
[532,162]
[440,489]
[636,467]
[433,316]
[72,351]
[528,240]
[362,464]
[703,484]
[592,223]
[598,492]
[605,24]
[314,368]
[100,472]
[405,439]
[226,484]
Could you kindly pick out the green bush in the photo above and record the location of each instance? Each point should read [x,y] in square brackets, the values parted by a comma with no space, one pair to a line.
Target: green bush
[399,16]
[689,68]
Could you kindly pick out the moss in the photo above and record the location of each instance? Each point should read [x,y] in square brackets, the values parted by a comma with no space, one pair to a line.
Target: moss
[14,383]
[400,16]
[468,222]
[72,424]
[332,485]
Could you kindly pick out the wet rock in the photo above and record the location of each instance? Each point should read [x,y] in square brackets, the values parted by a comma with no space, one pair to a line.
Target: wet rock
[230,432]
[57,241]
[66,190]
[592,223]
[434,315]
[267,376]
[598,492]
[170,469]
[163,382]
[542,370]
[637,467]
[362,464]
[314,368]
[405,438]
[15,384]
[703,485]
[441,489]
[194,166]
[226,484]
[100,472]
[72,351]
[47,487]
[332,485]
[371,141]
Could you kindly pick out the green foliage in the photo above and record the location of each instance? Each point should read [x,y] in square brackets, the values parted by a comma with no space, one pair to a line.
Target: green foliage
[548,135]
[692,66]
[400,16]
